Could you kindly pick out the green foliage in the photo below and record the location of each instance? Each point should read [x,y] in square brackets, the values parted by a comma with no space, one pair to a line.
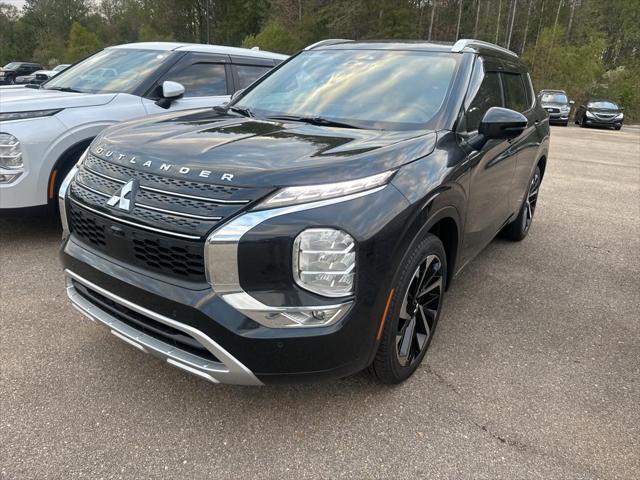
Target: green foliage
[274,37]
[147,33]
[587,47]
[556,64]
[82,43]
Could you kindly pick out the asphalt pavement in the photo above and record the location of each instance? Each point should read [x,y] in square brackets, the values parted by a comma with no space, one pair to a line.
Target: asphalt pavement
[534,372]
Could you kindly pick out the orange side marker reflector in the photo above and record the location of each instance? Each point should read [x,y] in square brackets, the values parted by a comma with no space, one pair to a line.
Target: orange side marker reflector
[52,182]
[384,315]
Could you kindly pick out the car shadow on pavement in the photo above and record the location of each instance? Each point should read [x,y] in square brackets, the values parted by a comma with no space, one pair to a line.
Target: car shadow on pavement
[16,226]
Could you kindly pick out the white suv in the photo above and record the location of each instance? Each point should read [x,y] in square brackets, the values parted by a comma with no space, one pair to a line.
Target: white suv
[44,130]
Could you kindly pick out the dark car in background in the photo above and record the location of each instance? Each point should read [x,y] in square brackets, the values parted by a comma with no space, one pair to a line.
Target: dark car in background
[600,113]
[13,70]
[41,76]
[557,105]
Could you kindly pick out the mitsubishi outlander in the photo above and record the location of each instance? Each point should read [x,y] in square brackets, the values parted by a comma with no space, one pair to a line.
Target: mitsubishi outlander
[310,228]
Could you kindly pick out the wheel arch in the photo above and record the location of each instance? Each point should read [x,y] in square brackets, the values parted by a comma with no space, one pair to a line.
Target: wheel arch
[63,164]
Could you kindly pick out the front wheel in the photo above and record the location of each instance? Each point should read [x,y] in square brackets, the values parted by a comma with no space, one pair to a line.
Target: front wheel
[412,313]
[519,228]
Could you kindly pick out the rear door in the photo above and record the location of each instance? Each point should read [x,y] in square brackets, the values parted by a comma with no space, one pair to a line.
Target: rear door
[207,80]
[519,97]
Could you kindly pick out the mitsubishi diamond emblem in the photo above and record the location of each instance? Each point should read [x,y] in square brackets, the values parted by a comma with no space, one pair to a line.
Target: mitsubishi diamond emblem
[123,198]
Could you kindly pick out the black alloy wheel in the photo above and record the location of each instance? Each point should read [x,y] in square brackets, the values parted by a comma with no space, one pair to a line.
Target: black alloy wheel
[419,311]
[413,309]
[519,227]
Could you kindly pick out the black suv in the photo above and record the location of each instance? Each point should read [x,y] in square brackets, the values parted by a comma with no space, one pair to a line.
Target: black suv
[600,113]
[11,71]
[310,228]
[557,104]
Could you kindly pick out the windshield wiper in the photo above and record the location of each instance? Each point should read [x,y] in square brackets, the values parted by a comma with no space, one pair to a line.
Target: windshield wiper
[64,89]
[316,120]
[246,112]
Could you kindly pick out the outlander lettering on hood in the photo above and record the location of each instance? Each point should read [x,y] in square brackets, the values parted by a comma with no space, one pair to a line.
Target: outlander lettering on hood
[162,167]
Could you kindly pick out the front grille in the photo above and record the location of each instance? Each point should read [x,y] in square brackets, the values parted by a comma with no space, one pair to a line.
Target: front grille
[177,258]
[604,116]
[553,110]
[165,229]
[144,324]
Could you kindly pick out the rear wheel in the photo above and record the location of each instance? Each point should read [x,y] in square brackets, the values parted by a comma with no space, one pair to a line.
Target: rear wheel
[413,312]
[519,228]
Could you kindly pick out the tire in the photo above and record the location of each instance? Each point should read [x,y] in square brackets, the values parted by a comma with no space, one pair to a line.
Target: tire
[618,128]
[406,335]
[11,81]
[565,124]
[519,228]
[581,123]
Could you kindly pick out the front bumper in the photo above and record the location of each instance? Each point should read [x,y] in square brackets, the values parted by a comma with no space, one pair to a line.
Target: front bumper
[596,122]
[558,117]
[251,351]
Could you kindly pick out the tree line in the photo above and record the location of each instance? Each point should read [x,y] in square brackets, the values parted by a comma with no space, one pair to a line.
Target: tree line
[587,47]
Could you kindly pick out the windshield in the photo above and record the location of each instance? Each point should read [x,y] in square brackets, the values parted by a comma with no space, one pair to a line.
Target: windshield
[114,70]
[388,90]
[554,98]
[603,104]
[11,66]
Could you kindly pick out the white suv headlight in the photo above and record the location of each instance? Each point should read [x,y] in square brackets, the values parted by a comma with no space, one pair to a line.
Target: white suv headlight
[10,158]
[324,261]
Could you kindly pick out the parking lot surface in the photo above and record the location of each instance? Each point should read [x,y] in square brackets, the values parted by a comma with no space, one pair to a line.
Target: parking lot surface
[534,371]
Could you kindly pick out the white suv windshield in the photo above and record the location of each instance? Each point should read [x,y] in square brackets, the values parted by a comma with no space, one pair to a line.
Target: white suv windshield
[554,98]
[392,90]
[114,70]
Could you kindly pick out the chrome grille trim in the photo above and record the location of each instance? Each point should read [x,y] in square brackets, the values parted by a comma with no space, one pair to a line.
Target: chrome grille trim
[134,224]
[169,193]
[228,370]
[149,207]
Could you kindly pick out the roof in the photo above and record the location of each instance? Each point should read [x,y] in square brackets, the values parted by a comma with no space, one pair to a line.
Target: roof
[202,48]
[461,46]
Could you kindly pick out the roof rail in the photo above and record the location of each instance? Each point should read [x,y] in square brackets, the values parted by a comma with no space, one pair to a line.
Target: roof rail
[329,41]
[469,42]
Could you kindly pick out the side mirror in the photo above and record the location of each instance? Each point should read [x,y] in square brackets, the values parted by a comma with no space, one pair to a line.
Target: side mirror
[170,91]
[236,94]
[571,102]
[502,123]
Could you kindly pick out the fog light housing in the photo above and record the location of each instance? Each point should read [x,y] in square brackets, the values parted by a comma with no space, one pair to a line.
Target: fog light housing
[324,261]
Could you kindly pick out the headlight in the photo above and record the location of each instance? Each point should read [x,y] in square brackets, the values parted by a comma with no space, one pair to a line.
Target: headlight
[10,152]
[312,193]
[565,109]
[590,115]
[324,261]
[5,117]
[620,116]
[10,158]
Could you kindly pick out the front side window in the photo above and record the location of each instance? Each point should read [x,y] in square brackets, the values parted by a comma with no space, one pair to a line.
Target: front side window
[114,70]
[201,79]
[394,90]
[489,95]
[247,74]
[514,92]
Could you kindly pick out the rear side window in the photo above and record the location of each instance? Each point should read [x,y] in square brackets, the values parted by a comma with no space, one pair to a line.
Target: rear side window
[247,74]
[489,95]
[515,93]
[202,79]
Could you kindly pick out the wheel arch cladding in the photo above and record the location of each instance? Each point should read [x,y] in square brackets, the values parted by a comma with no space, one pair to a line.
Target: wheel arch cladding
[63,165]
[446,229]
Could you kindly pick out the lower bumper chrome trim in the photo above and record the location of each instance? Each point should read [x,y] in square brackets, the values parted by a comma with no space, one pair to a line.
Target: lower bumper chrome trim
[228,370]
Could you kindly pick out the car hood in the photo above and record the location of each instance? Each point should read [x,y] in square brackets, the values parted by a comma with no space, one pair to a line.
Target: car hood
[258,153]
[26,99]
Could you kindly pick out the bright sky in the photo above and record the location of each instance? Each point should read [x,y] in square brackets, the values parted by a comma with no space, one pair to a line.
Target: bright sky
[16,3]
